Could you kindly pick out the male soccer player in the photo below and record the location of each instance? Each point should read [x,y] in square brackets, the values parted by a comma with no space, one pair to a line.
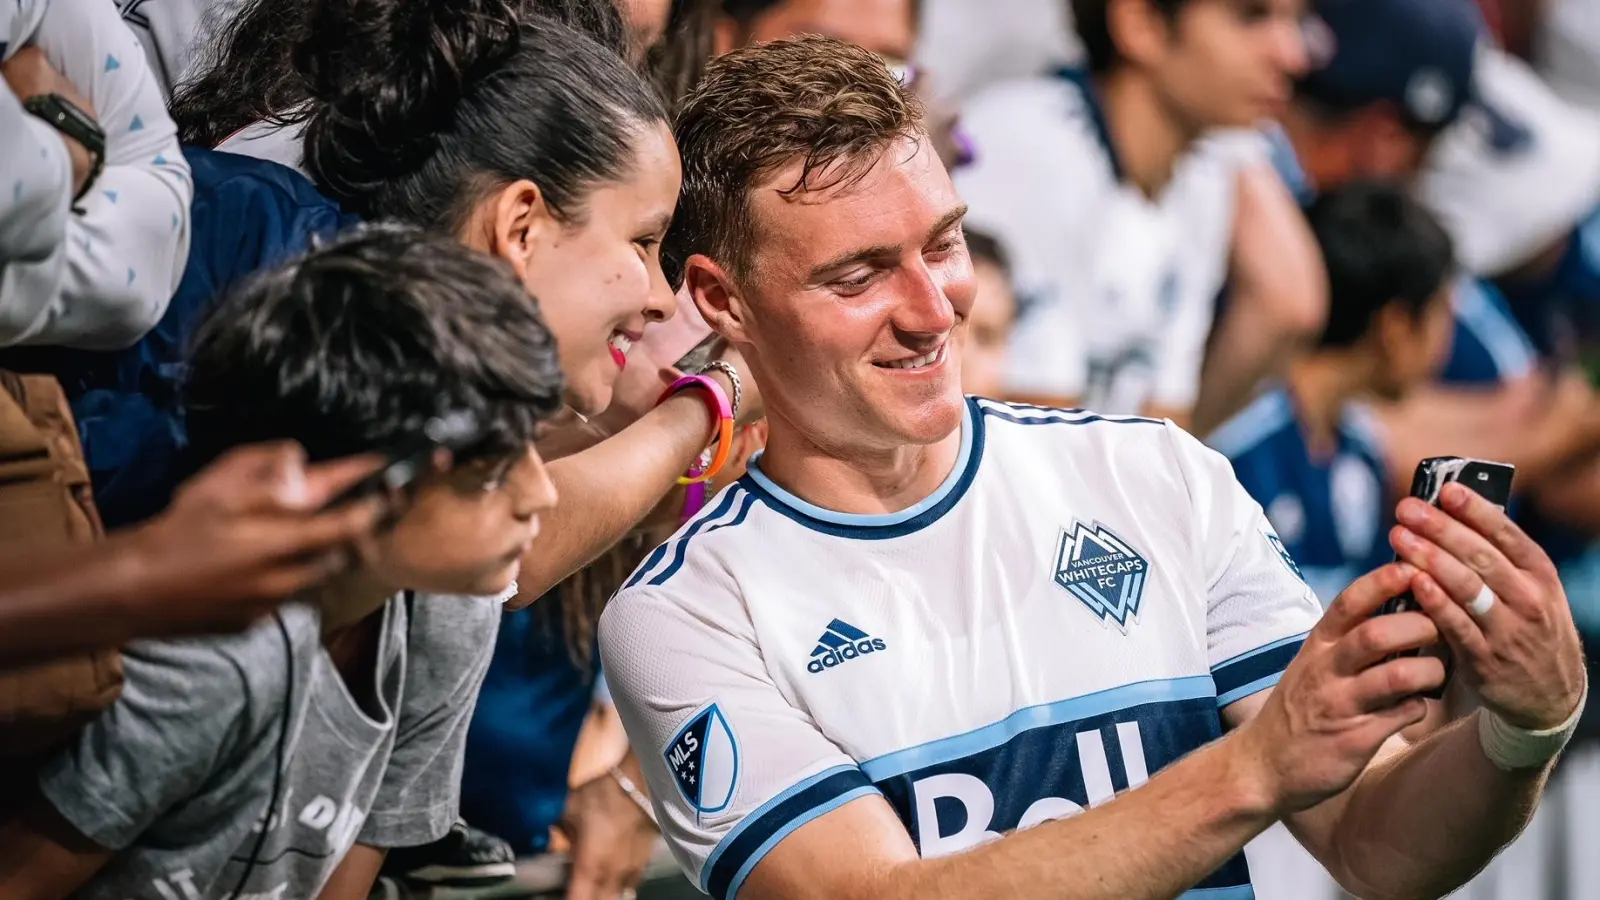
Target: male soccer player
[1125,216]
[922,621]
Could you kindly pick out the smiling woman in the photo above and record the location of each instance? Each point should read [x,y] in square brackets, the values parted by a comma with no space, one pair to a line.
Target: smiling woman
[519,135]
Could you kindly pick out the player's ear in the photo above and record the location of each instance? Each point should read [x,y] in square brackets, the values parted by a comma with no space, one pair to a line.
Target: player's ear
[718,297]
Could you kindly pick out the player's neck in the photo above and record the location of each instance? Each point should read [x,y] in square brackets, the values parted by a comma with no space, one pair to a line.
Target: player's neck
[1148,139]
[854,480]
[1322,383]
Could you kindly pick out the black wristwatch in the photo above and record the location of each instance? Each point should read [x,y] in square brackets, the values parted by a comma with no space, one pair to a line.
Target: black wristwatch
[65,117]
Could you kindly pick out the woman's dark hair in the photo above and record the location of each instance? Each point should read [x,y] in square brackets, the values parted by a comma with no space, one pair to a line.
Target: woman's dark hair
[419,107]
[1381,247]
[247,72]
[355,346]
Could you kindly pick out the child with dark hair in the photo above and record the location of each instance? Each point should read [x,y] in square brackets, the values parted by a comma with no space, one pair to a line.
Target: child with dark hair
[284,761]
[1310,451]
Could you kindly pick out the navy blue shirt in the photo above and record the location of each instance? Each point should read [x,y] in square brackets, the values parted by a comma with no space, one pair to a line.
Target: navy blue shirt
[248,214]
[519,749]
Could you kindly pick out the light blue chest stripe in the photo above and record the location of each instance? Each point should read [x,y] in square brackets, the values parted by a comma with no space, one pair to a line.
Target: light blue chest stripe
[988,737]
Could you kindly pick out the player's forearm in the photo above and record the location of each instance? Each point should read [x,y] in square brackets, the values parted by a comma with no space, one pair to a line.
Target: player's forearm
[1423,822]
[609,488]
[1156,841]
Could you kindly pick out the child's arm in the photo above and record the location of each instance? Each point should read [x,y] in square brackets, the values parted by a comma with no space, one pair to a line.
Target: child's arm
[42,857]
[356,874]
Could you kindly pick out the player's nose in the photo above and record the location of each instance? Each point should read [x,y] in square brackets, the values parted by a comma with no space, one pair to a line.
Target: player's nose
[923,308]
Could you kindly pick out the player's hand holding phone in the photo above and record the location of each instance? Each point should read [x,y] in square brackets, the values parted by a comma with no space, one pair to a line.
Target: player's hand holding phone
[247,532]
[1498,603]
[1345,694]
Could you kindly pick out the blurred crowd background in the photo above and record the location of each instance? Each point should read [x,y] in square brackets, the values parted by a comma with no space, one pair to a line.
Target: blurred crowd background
[1330,257]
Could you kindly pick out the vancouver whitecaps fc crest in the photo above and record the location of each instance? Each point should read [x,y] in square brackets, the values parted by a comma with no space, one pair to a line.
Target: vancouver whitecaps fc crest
[704,759]
[1103,571]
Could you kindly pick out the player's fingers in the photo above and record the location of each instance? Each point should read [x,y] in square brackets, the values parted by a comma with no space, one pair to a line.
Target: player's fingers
[1460,629]
[1363,598]
[1450,573]
[1492,523]
[1469,548]
[1397,718]
[1380,637]
[1387,684]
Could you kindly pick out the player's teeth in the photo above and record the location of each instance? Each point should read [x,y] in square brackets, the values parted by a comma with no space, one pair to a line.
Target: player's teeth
[919,362]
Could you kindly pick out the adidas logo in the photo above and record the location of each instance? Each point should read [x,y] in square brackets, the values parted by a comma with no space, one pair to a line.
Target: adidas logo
[840,642]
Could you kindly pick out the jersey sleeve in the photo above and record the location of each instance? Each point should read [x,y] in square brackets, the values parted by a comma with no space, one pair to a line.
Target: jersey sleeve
[1258,608]
[733,767]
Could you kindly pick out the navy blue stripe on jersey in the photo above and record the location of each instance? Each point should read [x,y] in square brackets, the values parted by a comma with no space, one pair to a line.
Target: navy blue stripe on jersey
[1080,79]
[757,833]
[1028,414]
[1255,671]
[1050,762]
[745,502]
[712,518]
[893,525]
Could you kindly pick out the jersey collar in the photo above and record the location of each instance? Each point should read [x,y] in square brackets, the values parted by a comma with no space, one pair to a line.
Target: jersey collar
[889,525]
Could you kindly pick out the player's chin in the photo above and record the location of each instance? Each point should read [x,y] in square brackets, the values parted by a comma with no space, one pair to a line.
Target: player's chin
[929,420]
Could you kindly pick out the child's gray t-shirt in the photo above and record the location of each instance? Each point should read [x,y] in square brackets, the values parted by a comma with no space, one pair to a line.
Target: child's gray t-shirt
[176,776]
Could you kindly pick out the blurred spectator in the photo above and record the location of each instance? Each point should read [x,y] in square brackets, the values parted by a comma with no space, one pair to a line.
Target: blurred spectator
[1394,89]
[94,227]
[972,44]
[994,312]
[352,349]
[889,28]
[256,518]
[1309,451]
[1124,221]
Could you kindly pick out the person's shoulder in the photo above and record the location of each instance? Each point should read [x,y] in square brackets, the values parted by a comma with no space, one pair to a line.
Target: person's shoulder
[1255,426]
[1077,437]
[225,671]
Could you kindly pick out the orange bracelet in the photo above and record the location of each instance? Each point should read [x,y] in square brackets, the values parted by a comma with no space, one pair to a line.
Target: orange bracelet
[721,411]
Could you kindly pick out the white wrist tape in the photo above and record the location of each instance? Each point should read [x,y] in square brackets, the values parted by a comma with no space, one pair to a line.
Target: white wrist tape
[1511,748]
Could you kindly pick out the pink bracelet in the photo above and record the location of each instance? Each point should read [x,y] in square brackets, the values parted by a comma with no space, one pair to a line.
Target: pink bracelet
[721,413]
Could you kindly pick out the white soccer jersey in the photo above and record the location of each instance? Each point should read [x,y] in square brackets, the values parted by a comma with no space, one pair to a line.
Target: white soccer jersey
[1117,291]
[1064,616]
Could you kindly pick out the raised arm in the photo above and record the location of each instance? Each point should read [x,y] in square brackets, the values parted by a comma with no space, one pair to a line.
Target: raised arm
[1424,819]
[1155,841]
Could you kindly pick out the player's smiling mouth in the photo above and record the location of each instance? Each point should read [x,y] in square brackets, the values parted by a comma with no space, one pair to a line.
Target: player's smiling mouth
[926,360]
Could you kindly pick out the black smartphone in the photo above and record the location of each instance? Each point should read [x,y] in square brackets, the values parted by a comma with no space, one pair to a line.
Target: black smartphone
[696,359]
[1491,480]
[412,458]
